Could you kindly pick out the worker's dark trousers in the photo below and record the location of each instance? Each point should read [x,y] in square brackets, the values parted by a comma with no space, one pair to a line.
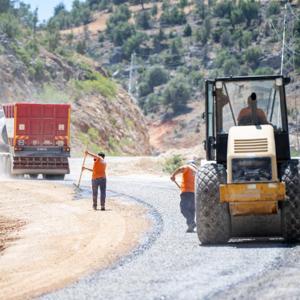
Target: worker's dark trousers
[96,184]
[187,207]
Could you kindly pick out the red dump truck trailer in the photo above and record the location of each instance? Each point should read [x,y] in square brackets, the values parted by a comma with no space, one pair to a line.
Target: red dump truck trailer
[36,139]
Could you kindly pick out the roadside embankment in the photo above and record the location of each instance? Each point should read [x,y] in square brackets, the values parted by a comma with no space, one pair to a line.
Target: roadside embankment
[58,239]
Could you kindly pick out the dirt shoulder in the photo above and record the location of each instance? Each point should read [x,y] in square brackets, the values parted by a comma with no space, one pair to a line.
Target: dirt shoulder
[59,239]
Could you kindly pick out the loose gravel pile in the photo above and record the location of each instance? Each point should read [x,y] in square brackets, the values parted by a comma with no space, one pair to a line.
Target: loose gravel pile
[170,263]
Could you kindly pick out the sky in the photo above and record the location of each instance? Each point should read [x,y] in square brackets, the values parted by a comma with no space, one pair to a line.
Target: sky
[46,7]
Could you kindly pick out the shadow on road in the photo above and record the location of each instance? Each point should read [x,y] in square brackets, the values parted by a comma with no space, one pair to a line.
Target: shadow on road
[261,242]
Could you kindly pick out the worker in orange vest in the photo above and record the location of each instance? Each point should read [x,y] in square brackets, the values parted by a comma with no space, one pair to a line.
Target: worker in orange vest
[187,203]
[99,180]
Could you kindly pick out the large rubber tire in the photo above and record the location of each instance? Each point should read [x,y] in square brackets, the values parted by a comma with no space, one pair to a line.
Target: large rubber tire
[290,212]
[213,217]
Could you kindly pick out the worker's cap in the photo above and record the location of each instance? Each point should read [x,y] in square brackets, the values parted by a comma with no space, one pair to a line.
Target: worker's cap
[191,162]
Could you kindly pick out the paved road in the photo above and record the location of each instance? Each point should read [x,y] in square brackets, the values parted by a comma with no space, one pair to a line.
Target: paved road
[170,264]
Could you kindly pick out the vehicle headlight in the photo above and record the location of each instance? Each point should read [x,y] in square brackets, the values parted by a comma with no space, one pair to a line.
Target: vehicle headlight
[251,169]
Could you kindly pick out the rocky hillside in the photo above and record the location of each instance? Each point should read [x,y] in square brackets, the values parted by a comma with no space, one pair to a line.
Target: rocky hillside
[167,48]
[104,117]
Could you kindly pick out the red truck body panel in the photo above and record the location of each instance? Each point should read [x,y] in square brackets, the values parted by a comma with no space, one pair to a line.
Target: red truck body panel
[39,138]
[40,124]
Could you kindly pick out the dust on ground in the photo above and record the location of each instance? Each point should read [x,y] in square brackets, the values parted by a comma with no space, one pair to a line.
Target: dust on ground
[51,240]
[8,231]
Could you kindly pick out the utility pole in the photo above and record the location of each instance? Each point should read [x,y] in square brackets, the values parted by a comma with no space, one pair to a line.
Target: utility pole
[132,79]
[283,41]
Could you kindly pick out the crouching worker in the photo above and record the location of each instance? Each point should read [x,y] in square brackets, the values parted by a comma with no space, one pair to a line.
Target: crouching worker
[187,203]
[99,179]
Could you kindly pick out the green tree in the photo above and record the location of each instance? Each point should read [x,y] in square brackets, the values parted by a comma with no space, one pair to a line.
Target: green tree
[5,6]
[173,57]
[133,43]
[250,10]
[223,8]
[143,20]
[226,39]
[154,10]
[59,8]
[53,36]
[273,8]
[252,56]
[187,30]
[201,8]
[176,94]
[183,3]
[156,76]
[9,25]
[236,16]
[246,39]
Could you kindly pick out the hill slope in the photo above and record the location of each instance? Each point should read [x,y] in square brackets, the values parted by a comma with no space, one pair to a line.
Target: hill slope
[167,48]
[104,117]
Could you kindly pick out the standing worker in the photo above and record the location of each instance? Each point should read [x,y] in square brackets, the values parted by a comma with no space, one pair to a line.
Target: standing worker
[187,203]
[99,179]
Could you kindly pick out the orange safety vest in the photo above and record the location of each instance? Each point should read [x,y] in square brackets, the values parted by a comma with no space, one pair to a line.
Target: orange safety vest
[99,168]
[188,180]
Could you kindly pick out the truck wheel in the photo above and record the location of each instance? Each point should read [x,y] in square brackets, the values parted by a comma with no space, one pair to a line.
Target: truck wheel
[53,177]
[213,217]
[290,212]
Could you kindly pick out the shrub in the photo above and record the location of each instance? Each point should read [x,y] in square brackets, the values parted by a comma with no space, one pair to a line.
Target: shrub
[38,68]
[144,89]
[100,84]
[52,94]
[9,25]
[264,71]
[172,163]
[252,56]
[231,67]
[81,47]
[221,57]
[152,103]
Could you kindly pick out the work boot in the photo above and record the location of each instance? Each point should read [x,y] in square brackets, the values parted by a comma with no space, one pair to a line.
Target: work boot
[102,207]
[95,207]
[191,228]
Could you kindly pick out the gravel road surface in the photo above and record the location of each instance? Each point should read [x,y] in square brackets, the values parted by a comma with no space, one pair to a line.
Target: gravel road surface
[170,264]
